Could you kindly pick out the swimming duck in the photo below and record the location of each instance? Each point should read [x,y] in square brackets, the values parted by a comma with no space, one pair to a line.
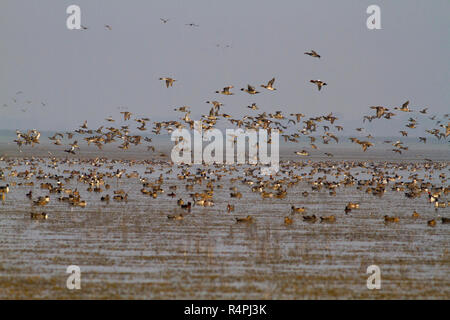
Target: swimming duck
[391,219]
[350,206]
[438,204]
[186,206]
[328,219]
[312,218]
[39,216]
[176,217]
[248,219]
[288,221]
[4,189]
[299,210]
[42,201]
[432,198]
[236,195]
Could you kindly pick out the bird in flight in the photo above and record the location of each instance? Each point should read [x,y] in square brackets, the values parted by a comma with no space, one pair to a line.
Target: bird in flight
[169,81]
[216,104]
[226,91]
[164,20]
[404,107]
[107,26]
[71,150]
[380,110]
[269,85]
[126,115]
[253,106]
[250,90]
[319,83]
[192,25]
[313,54]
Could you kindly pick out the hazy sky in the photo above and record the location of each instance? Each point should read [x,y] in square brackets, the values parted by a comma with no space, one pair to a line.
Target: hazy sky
[89,74]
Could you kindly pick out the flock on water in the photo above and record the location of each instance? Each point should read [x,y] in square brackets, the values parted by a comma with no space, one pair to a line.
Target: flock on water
[295,128]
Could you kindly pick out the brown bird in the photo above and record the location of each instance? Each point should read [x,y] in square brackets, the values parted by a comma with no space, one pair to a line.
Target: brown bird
[319,83]
[391,219]
[39,216]
[176,217]
[404,107]
[312,218]
[328,219]
[248,219]
[250,89]
[269,85]
[313,54]
[380,110]
[299,210]
[126,115]
[226,91]
[169,81]
[288,221]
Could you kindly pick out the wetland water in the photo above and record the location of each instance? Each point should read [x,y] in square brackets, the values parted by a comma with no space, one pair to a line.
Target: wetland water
[130,249]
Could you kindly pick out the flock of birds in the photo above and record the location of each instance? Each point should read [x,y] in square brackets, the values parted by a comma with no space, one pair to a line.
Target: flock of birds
[293,127]
[189,187]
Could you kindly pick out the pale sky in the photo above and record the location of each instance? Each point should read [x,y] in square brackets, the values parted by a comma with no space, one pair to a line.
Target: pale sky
[88,74]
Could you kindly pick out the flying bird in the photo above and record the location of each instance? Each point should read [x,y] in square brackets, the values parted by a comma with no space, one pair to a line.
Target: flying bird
[250,90]
[380,110]
[404,107]
[226,91]
[169,81]
[269,85]
[319,83]
[313,54]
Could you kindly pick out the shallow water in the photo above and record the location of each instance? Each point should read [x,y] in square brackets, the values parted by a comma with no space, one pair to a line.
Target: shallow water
[131,250]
